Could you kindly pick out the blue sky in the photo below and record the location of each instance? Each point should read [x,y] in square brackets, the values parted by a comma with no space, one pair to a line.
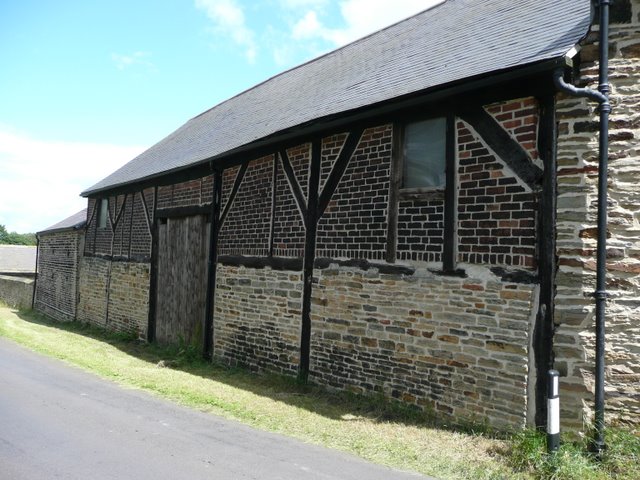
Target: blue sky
[85,86]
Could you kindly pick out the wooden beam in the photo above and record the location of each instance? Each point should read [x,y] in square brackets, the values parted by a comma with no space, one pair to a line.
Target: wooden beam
[395,184]
[232,195]
[212,265]
[338,169]
[153,269]
[450,246]
[187,211]
[311,226]
[274,182]
[293,183]
[133,208]
[501,142]
[547,265]
[147,215]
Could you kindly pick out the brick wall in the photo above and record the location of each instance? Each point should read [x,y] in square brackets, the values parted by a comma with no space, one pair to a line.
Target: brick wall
[193,192]
[355,222]
[288,231]
[421,228]
[457,346]
[577,204]
[246,230]
[58,265]
[257,318]
[130,238]
[496,211]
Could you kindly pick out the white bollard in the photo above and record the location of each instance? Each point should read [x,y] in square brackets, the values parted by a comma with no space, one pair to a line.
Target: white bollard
[553,412]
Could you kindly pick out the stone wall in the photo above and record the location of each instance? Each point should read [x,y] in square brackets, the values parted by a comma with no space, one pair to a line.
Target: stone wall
[114,295]
[56,288]
[257,318]
[92,285]
[456,345]
[129,298]
[577,204]
[16,292]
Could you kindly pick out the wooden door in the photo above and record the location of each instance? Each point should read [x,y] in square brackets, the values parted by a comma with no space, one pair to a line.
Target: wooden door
[182,278]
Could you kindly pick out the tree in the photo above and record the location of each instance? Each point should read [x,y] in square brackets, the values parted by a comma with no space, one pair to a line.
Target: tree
[14,238]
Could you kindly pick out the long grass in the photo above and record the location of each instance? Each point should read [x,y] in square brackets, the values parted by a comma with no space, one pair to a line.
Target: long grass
[370,427]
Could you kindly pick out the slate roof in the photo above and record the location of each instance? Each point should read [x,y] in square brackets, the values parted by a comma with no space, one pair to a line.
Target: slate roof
[74,222]
[453,41]
[17,259]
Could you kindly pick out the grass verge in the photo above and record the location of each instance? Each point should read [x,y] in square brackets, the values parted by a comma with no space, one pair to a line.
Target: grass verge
[374,429]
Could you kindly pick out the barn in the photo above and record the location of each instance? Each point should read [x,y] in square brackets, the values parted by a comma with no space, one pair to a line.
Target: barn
[412,215]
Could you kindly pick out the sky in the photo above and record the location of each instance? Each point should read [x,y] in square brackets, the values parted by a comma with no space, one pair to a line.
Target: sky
[85,86]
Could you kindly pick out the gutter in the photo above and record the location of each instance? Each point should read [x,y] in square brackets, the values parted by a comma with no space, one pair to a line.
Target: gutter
[602,97]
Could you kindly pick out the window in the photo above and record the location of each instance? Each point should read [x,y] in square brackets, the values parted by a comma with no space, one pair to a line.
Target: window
[424,154]
[103,212]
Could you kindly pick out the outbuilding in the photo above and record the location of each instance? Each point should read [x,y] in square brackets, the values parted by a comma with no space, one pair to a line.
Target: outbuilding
[412,214]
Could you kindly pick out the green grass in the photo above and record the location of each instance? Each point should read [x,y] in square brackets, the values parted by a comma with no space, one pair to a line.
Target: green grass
[372,428]
[621,459]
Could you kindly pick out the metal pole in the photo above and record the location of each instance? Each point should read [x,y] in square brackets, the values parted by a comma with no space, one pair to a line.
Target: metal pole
[601,273]
[553,412]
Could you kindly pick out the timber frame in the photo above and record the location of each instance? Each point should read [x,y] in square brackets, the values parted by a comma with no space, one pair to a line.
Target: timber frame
[465,106]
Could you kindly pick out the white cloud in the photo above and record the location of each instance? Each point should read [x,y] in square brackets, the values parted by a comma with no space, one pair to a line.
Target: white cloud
[137,58]
[361,17]
[42,180]
[229,20]
[308,27]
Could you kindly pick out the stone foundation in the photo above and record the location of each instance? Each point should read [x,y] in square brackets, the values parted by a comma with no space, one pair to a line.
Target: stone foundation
[114,295]
[257,318]
[458,346]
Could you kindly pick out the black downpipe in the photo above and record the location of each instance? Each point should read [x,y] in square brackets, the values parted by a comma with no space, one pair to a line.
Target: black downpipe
[600,294]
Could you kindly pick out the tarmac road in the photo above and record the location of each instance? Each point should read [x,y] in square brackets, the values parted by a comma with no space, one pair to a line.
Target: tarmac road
[58,422]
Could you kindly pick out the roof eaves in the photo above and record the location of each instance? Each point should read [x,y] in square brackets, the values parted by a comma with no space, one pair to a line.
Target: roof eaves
[344,118]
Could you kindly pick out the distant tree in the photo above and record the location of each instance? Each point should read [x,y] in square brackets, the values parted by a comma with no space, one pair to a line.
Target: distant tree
[13,238]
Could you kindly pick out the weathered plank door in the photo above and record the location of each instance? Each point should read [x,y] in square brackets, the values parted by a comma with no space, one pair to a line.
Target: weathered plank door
[182,279]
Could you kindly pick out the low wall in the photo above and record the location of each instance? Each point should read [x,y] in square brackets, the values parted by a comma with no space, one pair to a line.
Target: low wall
[17,292]
[457,346]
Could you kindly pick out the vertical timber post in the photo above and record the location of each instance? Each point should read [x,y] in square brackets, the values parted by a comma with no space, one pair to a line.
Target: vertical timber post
[450,247]
[544,328]
[311,227]
[153,273]
[212,265]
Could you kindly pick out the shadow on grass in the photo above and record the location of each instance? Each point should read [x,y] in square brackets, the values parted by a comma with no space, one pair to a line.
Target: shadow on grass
[343,406]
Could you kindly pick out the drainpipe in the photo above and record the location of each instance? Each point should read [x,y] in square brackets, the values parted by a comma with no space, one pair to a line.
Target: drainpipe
[600,294]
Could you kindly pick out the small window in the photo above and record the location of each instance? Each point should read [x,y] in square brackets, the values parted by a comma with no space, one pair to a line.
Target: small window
[103,212]
[424,154]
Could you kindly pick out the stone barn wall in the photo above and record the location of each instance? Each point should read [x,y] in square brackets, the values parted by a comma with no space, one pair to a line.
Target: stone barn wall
[574,345]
